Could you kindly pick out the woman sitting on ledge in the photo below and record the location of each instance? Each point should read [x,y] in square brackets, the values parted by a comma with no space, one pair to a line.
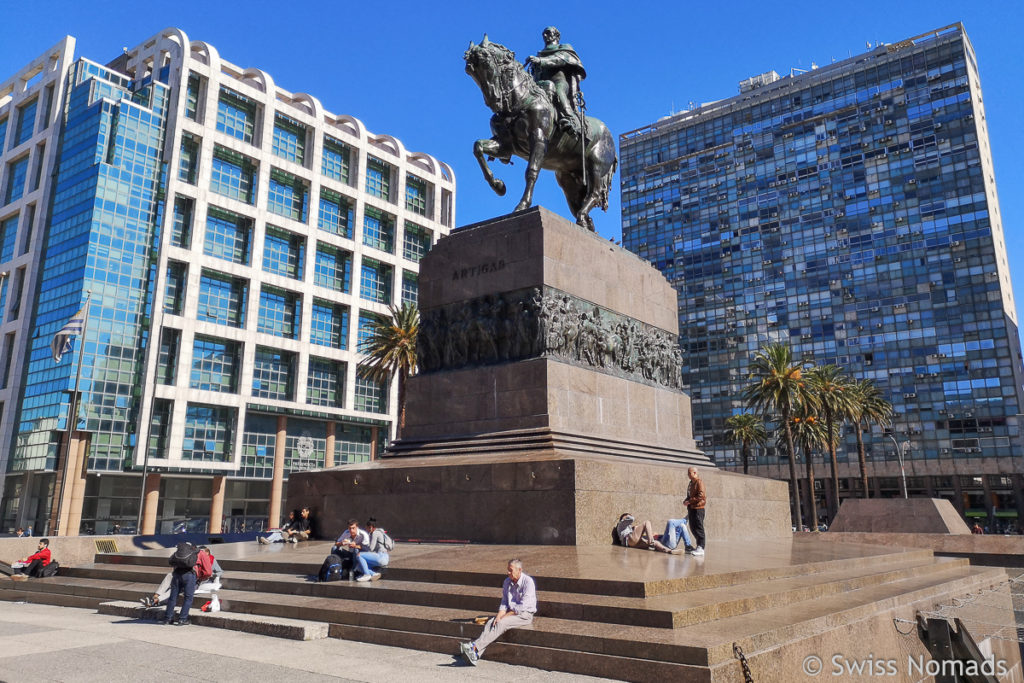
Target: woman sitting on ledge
[633,535]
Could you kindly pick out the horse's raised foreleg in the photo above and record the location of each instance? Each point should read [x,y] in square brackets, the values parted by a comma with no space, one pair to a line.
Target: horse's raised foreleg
[538,150]
[482,149]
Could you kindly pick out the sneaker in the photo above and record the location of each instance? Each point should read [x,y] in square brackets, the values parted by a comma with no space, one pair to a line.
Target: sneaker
[698,552]
[146,601]
[374,576]
[262,541]
[366,577]
[19,577]
[293,540]
[469,653]
[182,622]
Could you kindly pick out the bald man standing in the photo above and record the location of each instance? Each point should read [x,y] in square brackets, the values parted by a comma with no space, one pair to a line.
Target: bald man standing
[696,499]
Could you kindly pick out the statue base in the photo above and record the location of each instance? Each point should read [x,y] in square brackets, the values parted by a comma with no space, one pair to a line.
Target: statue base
[547,405]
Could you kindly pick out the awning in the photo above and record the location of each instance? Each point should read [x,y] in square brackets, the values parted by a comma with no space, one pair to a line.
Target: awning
[1012,514]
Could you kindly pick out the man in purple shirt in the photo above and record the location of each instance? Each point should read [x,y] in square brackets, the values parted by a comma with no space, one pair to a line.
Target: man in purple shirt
[518,605]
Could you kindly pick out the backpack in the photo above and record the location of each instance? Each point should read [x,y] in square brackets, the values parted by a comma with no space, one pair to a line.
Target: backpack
[204,566]
[386,541]
[50,569]
[184,557]
[330,570]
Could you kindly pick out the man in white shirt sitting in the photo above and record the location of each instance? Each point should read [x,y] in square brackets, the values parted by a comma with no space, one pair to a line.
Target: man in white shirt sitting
[351,542]
[518,605]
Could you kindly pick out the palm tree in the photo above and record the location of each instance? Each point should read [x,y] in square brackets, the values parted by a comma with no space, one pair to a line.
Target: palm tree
[391,347]
[832,389]
[809,434]
[746,429]
[777,388]
[867,408]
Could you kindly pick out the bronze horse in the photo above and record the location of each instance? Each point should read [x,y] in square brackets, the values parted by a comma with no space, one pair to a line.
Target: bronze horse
[525,125]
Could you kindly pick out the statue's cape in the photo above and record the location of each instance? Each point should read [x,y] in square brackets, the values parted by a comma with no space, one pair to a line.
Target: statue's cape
[565,59]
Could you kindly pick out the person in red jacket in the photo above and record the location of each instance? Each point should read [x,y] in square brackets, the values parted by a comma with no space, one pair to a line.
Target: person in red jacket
[33,564]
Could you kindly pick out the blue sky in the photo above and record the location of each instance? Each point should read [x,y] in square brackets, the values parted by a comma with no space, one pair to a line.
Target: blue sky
[398,65]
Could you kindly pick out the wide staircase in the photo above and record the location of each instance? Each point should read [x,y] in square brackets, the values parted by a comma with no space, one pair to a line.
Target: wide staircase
[603,611]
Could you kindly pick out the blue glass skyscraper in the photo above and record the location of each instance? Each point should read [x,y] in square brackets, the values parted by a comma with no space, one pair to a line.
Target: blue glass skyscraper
[850,212]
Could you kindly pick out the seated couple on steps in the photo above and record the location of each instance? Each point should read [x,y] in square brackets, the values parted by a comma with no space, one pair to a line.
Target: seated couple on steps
[297,528]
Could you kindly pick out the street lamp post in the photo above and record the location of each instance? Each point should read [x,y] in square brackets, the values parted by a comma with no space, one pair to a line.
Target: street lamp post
[900,453]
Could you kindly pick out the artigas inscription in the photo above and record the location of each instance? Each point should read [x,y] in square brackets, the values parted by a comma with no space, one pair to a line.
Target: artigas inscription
[475,271]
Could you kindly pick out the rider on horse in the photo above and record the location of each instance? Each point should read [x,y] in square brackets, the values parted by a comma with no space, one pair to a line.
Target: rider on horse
[558,70]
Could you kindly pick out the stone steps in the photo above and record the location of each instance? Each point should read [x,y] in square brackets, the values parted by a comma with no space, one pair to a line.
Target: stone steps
[293,629]
[666,611]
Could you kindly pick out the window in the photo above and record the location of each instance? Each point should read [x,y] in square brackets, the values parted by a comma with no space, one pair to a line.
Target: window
[289,139]
[26,122]
[174,296]
[335,213]
[410,287]
[222,299]
[283,253]
[336,159]
[192,96]
[272,375]
[329,325]
[367,322]
[188,161]
[3,133]
[333,268]
[160,428]
[375,281]
[416,194]
[325,383]
[280,313]
[214,365]
[288,195]
[370,395]
[379,230]
[208,433]
[8,237]
[16,172]
[167,358]
[236,115]
[228,236]
[181,229]
[232,175]
[378,178]
[416,242]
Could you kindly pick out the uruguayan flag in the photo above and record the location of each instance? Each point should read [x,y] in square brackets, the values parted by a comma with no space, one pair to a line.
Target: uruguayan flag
[61,343]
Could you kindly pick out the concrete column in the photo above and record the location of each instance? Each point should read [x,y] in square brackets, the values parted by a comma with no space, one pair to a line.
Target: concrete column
[77,485]
[274,514]
[958,496]
[374,435]
[217,505]
[150,502]
[329,455]
[63,486]
[1018,498]
[990,503]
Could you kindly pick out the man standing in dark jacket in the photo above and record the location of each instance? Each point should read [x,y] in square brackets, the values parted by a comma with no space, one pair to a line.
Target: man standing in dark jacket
[696,499]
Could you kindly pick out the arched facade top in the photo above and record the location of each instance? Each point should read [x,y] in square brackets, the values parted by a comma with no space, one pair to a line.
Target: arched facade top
[310,104]
[446,172]
[261,79]
[424,161]
[351,125]
[389,144]
[206,53]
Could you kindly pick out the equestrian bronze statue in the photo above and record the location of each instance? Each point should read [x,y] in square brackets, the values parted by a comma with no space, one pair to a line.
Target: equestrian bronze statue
[538,118]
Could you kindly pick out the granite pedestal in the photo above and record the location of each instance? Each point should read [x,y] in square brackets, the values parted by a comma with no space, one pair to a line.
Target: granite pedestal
[548,402]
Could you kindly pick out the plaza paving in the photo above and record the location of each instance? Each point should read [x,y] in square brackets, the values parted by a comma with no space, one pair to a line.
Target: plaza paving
[48,643]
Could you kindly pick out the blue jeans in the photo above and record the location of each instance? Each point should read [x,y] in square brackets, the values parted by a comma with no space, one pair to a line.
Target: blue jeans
[181,582]
[371,560]
[674,530]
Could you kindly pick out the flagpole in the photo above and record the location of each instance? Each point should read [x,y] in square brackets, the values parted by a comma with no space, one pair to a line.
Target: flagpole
[72,414]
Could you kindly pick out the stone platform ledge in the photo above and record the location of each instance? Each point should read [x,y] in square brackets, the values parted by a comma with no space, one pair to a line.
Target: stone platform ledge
[992,550]
[899,515]
[278,627]
[559,443]
[539,498]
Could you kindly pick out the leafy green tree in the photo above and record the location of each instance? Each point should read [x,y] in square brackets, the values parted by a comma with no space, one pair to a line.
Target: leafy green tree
[832,389]
[746,429]
[809,434]
[868,407]
[391,347]
[777,389]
